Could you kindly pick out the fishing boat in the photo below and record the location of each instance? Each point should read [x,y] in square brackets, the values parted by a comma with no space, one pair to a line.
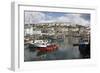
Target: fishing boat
[44,46]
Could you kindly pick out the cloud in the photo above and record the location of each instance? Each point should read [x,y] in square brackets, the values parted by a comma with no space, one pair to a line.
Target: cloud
[34,17]
[76,19]
[63,19]
[42,17]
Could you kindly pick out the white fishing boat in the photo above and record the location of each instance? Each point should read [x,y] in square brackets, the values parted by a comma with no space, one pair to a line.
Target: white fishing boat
[44,46]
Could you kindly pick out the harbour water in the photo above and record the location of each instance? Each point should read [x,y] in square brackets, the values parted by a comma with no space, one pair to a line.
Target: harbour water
[65,51]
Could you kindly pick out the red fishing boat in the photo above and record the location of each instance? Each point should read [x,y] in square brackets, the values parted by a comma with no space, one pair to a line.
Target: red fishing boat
[49,48]
[44,46]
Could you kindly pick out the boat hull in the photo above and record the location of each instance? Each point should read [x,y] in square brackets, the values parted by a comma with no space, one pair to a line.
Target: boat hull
[49,48]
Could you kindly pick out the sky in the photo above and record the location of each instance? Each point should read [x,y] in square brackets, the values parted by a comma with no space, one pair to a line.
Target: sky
[32,17]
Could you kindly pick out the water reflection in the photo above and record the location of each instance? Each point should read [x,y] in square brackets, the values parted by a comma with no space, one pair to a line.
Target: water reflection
[65,51]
